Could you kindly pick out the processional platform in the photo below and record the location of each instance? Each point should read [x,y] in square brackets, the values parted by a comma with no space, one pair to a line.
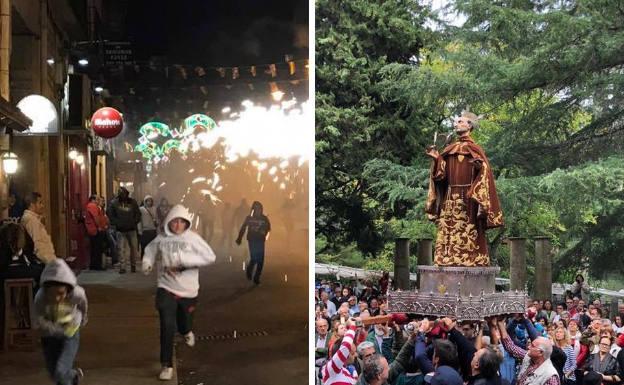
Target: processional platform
[462,293]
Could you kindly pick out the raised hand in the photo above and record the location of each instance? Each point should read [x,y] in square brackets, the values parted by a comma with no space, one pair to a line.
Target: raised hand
[448,323]
[432,152]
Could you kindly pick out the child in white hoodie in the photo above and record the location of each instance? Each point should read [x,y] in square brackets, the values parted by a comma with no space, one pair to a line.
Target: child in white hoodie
[60,311]
[181,253]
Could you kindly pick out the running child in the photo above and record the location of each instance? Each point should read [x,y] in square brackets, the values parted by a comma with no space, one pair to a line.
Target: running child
[180,253]
[60,312]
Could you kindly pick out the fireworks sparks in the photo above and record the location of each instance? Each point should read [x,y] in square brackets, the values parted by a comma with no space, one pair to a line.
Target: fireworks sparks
[265,145]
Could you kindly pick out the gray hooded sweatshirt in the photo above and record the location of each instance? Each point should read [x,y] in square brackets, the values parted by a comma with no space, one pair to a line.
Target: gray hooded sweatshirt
[187,250]
[73,308]
[148,216]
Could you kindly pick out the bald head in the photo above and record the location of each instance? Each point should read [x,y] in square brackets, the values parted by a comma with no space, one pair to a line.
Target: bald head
[322,326]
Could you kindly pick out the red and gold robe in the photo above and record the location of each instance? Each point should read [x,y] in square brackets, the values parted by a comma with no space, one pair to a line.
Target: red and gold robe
[456,190]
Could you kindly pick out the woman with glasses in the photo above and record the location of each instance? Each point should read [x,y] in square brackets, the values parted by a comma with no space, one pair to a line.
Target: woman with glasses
[604,363]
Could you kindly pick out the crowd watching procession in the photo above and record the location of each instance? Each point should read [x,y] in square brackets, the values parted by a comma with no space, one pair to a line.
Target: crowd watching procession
[574,341]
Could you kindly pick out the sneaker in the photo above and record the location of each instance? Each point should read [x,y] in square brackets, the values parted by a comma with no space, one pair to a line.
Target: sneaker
[189,339]
[166,374]
[79,376]
[122,271]
[256,281]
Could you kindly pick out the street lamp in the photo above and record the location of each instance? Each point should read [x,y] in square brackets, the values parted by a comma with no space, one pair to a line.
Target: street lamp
[73,154]
[277,95]
[98,89]
[9,163]
[83,62]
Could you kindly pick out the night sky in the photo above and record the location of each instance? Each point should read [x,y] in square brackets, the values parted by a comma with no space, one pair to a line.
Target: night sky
[216,32]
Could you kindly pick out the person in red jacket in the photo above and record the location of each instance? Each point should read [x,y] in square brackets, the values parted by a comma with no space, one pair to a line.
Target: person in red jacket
[94,223]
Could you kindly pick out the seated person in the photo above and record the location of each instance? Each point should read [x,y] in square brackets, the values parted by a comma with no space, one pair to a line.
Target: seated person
[17,257]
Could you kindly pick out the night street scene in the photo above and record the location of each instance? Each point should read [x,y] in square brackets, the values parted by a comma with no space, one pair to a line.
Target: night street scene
[154,186]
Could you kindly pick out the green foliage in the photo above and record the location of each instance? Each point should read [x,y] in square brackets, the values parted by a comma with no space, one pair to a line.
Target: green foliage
[355,40]
[548,77]
[385,262]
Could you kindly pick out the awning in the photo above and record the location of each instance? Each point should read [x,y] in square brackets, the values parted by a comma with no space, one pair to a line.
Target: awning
[352,272]
[12,117]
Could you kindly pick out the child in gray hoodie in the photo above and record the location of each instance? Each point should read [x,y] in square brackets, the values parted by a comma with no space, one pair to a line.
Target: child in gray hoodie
[60,311]
[181,252]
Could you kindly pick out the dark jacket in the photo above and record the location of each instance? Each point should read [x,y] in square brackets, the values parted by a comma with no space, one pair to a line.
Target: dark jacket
[324,352]
[445,375]
[16,246]
[386,345]
[611,365]
[465,351]
[399,341]
[620,360]
[397,367]
[479,380]
[558,359]
[257,228]
[124,214]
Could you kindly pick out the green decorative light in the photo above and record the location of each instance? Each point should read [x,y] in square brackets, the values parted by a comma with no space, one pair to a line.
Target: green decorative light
[171,144]
[155,129]
[198,121]
[180,138]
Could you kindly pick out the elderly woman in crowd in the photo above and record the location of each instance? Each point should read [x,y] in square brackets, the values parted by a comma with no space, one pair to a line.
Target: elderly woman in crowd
[604,363]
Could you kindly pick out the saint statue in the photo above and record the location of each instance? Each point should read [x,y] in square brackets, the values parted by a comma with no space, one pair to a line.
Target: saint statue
[462,198]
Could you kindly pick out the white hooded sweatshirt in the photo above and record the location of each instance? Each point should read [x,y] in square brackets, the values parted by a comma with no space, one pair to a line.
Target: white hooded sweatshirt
[74,307]
[187,251]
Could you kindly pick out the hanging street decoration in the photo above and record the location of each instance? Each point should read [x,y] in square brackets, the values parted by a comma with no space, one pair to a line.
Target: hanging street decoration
[107,122]
[158,140]
[288,69]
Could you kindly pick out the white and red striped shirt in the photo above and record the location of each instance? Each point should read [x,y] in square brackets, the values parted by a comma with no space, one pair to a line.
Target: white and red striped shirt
[334,372]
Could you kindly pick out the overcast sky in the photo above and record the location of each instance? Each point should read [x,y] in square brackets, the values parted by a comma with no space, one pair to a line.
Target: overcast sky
[453,18]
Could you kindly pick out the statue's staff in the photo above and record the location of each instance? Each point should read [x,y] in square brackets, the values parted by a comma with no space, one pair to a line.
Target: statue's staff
[448,139]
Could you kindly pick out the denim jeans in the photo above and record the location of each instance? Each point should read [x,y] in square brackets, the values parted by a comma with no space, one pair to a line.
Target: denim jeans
[59,353]
[127,240]
[256,258]
[175,313]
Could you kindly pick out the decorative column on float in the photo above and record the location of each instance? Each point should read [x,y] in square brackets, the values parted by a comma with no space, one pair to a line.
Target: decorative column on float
[517,263]
[425,251]
[401,264]
[543,268]
[425,255]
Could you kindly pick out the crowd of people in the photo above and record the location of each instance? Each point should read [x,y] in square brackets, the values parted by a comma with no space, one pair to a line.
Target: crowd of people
[130,234]
[571,342]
